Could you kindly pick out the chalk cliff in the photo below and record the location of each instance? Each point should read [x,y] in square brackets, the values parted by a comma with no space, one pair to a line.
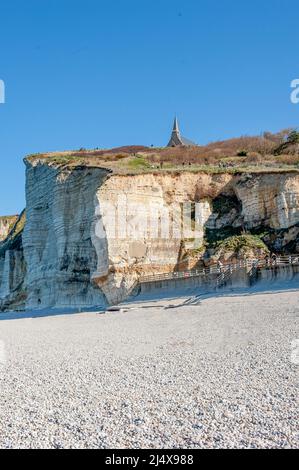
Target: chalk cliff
[269,199]
[57,238]
[6,224]
[13,267]
[91,233]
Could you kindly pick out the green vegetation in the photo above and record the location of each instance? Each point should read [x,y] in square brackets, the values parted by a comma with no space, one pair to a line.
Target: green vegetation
[293,137]
[61,160]
[214,237]
[194,252]
[291,142]
[138,163]
[265,153]
[241,244]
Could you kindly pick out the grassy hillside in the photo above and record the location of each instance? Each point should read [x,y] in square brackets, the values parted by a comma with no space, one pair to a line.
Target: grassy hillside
[269,151]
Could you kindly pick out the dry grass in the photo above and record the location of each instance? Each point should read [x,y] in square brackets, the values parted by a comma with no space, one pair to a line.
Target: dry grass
[238,154]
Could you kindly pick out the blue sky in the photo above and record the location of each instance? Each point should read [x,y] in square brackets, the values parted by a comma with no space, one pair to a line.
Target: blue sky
[98,73]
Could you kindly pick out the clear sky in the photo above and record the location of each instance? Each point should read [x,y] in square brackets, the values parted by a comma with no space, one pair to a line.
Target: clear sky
[105,73]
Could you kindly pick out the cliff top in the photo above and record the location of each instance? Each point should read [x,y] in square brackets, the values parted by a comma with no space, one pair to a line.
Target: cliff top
[8,217]
[269,152]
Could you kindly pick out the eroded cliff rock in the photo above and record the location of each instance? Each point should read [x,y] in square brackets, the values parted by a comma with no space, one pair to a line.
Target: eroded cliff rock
[269,199]
[58,251]
[142,244]
[227,205]
[90,234]
[13,268]
[6,225]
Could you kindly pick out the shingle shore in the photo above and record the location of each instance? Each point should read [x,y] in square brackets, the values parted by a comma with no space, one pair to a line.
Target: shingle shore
[217,374]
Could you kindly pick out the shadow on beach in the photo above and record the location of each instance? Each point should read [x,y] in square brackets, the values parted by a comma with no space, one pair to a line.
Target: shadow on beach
[160,299]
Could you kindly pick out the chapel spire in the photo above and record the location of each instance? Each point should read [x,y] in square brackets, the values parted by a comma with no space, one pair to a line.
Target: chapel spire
[176,139]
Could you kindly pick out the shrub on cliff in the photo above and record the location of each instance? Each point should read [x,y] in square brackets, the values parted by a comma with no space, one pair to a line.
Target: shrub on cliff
[290,145]
[241,246]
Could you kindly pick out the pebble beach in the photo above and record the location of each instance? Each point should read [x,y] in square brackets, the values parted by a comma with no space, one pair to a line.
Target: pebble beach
[213,373]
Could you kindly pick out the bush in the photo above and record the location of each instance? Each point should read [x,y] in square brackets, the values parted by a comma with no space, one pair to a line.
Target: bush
[241,245]
[290,145]
[138,163]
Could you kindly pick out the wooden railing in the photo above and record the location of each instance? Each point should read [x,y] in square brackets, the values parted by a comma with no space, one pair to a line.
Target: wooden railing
[224,270]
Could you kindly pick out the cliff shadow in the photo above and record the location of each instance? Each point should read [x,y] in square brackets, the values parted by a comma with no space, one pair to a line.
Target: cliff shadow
[34,314]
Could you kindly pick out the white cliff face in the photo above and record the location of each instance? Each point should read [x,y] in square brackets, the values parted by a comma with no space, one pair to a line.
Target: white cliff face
[90,235]
[140,225]
[57,238]
[269,199]
[11,272]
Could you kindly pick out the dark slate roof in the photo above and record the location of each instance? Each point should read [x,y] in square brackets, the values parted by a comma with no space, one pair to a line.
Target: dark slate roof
[187,141]
[177,139]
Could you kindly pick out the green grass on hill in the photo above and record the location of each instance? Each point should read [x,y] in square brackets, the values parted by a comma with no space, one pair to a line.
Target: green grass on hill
[264,153]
